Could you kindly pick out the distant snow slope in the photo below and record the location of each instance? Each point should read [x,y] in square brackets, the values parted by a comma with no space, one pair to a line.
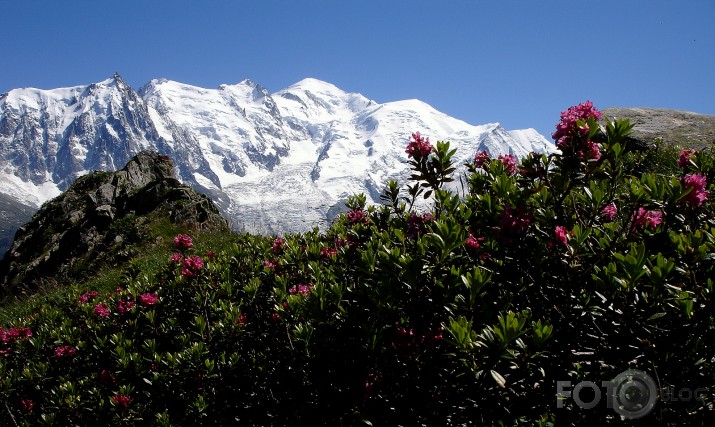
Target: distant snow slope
[275,163]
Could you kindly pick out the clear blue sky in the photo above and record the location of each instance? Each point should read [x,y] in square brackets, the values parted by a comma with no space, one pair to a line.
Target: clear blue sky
[515,62]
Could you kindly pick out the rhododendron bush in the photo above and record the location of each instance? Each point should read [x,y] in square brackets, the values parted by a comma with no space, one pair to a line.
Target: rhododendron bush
[567,267]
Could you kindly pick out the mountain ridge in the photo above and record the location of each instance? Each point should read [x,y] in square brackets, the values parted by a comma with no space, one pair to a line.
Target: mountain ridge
[253,152]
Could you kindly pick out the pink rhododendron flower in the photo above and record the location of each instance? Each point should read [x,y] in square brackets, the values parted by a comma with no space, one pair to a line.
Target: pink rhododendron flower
[121,400]
[27,405]
[192,265]
[124,306]
[106,376]
[101,310]
[685,157]
[358,217]
[569,118]
[472,243]
[65,351]
[183,242]
[13,334]
[480,158]
[513,223]
[562,235]
[241,319]
[698,194]
[278,245]
[592,151]
[417,224]
[418,146]
[87,296]
[609,212]
[177,258]
[339,242]
[642,218]
[509,162]
[301,289]
[328,252]
[271,264]
[148,299]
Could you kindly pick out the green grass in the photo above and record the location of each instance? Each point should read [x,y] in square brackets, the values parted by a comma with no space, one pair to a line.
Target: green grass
[152,254]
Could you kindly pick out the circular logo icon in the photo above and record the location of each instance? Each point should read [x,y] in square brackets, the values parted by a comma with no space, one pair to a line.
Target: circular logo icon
[634,394]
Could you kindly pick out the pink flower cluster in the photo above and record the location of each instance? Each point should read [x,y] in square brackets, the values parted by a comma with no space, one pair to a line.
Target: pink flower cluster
[609,212]
[121,400]
[183,242]
[696,183]
[192,265]
[358,217]
[148,299]
[124,306]
[418,146]
[339,242]
[101,310]
[328,252]
[642,218]
[685,157]
[278,245]
[480,158]
[562,235]
[570,137]
[65,351]
[472,243]
[569,120]
[271,264]
[514,223]
[87,296]
[417,224]
[592,151]
[27,405]
[241,319]
[106,377]
[509,162]
[301,289]
[13,334]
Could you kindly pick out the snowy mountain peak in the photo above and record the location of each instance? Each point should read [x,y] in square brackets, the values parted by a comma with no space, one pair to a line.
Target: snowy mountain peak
[274,162]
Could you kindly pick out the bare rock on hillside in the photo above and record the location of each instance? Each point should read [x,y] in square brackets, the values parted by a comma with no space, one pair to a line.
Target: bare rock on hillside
[682,128]
[97,218]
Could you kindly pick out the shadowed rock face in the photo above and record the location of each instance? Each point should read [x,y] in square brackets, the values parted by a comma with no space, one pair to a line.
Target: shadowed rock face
[683,128]
[95,220]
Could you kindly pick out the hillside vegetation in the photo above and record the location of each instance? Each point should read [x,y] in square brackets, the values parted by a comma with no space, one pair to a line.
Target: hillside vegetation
[577,266]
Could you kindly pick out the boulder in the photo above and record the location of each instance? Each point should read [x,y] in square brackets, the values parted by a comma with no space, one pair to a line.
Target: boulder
[97,218]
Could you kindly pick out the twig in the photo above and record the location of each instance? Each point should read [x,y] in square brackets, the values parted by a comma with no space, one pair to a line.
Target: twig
[9,412]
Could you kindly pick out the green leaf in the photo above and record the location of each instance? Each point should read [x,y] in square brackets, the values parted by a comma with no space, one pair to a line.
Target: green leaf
[501,381]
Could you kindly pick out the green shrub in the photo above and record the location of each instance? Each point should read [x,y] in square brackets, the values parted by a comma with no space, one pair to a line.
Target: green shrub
[567,267]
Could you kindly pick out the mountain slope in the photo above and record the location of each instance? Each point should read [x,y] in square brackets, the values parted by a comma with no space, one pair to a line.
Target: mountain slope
[98,220]
[690,130]
[273,163]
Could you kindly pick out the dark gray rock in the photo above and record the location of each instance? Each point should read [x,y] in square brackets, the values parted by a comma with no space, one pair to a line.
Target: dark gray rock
[101,213]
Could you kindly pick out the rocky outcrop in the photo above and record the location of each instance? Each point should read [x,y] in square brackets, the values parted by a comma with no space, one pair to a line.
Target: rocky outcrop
[99,219]
[682,128]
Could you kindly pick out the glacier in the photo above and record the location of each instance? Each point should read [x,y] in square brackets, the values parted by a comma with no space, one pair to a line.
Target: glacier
[273,162]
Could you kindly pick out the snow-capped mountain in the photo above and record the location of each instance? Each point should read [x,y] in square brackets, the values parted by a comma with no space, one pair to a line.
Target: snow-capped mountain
[274,163]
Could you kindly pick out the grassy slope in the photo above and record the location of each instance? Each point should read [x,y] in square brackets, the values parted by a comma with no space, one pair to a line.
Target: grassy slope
[152,255]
